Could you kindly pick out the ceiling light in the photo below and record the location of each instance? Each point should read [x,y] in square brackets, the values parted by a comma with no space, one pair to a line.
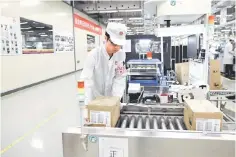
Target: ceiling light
[132,10]
[39,27]
[137,23]
[50,30]
[30,31]
[43,35]
[27,28]
[27,3]
[61,14]
[116,19]
[4,5]
[225,30]
[108,11]
[229,15]
[135,18]
[23,23]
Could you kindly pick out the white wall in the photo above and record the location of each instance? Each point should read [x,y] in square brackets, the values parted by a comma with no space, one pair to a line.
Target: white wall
[81,40]
[21,70]
[184,7]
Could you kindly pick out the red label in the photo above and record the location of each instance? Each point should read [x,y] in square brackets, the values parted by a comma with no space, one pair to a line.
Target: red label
[85,24]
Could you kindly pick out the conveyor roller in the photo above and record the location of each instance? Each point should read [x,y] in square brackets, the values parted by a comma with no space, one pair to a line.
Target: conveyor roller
[151,122]
[155,123]
[171,124]
[147,126]
[132,122]
[140,122]
[124,122]
[178,123]
[163,125]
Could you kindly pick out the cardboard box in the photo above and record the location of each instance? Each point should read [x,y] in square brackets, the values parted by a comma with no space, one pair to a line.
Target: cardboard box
[215,75]
[182,72]
[202,115]
[104,111]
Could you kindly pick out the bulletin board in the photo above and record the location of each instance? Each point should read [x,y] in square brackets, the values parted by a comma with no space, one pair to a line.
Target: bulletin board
[10,36]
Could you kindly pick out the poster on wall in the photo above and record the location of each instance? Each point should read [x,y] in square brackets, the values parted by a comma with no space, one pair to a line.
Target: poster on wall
[37,37]
[63,42]
[10,36]
[90,42]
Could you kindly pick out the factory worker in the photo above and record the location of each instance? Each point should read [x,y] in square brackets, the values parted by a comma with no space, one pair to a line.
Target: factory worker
[228,57]
[104,72]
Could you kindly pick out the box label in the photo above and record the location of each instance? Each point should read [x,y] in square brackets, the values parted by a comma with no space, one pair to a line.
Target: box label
[212,125]
[100,117]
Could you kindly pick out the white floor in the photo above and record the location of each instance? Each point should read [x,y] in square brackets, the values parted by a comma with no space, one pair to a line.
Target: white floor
[33,120]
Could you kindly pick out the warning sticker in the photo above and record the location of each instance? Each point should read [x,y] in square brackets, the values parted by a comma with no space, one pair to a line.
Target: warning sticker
[100,117]
[212,125]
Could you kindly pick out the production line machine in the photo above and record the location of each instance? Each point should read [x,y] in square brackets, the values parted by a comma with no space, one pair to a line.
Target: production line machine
[146,71]
[153,129]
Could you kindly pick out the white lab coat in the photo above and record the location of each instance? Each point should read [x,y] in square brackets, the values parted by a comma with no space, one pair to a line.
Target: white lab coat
[228,54]
[102,75]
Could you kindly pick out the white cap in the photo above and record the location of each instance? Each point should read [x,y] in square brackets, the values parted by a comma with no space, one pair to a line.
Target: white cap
[117,32]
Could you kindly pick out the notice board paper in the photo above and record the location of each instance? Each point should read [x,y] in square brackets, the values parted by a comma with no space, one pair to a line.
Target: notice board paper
[127,46]
[113,147]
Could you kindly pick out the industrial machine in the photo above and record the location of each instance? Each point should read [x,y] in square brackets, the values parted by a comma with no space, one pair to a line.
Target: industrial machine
[151,129]
[146,72]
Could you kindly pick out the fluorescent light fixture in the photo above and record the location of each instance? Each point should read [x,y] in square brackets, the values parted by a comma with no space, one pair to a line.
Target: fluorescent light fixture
[43,35]
[132,10]
[30,31]
[39,27]
[23,23]
[137,23]
[225,30]
[5,5]
[28,3]
[108,11]
[61,14]
[27,28]
[229,15]
[217,15]
[135,18]
[116,19]
[50,30]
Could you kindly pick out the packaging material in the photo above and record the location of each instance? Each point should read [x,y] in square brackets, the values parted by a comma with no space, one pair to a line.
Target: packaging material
[215,75]
[182,72]
[202,115]
[104,111]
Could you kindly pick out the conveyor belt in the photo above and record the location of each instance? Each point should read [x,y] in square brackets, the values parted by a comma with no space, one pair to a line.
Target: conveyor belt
[151,122]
